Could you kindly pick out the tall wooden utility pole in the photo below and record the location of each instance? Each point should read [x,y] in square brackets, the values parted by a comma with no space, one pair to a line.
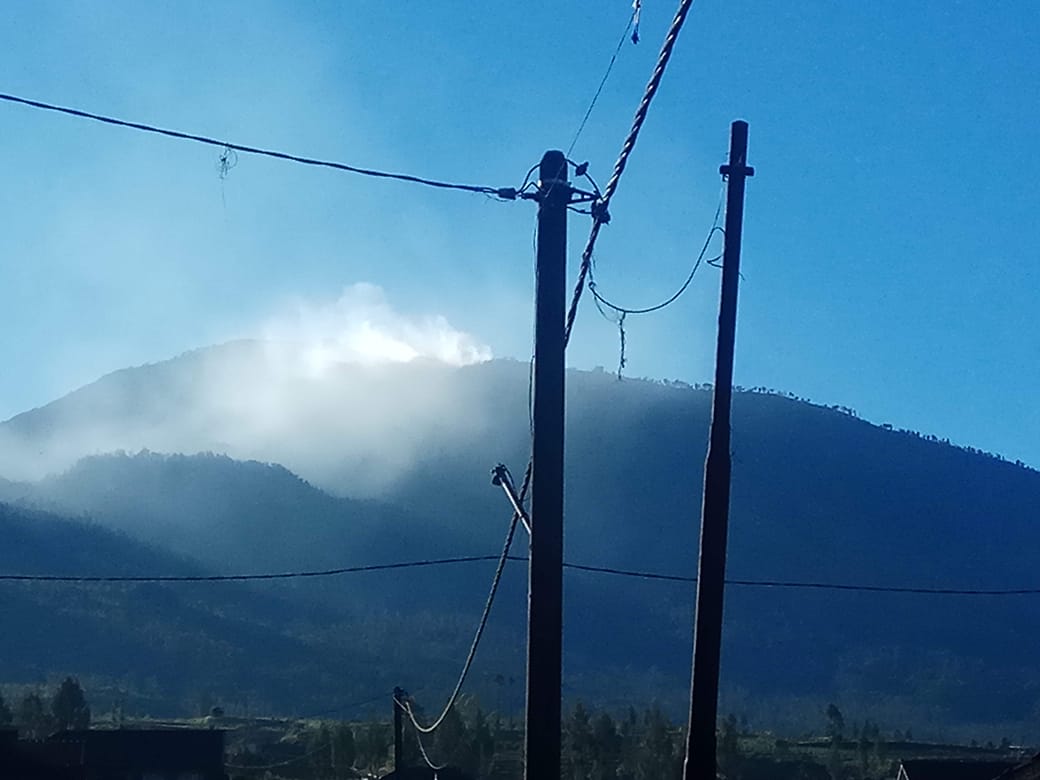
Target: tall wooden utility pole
[700,761]
[545,593]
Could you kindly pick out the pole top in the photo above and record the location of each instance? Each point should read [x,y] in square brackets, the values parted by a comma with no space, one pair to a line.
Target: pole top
[552,173]
[738,138]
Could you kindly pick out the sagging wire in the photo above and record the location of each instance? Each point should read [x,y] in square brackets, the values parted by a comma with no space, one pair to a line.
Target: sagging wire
[600,212]
[616,314]
[481,625]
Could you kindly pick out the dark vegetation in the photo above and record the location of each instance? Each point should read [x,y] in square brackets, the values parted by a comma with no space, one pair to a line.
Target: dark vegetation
[819,495]
[597,744]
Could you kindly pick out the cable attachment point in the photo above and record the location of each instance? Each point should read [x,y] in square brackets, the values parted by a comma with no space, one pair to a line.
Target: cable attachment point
[582,169]
[506,193]
[600,212]
[498,475]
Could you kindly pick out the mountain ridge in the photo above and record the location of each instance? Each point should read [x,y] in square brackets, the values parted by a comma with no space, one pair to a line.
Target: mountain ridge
[818,495]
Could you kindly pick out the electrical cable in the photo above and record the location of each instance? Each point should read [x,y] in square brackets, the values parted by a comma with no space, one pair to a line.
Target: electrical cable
[610,66]
[810,585]
[503,193]
[349,707]
[244,577]
[477,635]
[623,310]
[425,755]
[645,575]
[600,209]
[289,762]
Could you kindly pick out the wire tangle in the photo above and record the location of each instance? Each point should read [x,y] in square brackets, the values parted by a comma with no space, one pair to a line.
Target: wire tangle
[601,301]
[601,215]
[503,193]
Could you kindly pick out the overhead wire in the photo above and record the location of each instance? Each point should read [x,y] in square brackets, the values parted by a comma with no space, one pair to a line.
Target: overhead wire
[288,575]
[348,707]
[481,625]
[617,313]
[289,762]
[426,756]
[503,193]
[610,570]
[601,214]
[632,19]
[715,228]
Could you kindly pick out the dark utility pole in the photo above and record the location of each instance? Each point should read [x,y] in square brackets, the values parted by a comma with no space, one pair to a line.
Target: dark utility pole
[545,592]
[700,761]
[399,695]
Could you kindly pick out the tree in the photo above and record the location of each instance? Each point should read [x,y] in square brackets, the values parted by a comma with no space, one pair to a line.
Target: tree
[629,733]
[577,742]
[729,748]
[657,754]
[835,730]
[6,716]
[32,717]
[343,750]
[606,743]
[69,706]
[483,738]
[451,742]
[835,723]
[319,748]
[372,745]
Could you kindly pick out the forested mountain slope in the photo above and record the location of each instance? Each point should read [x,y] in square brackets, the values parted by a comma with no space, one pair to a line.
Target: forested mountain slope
[397,457]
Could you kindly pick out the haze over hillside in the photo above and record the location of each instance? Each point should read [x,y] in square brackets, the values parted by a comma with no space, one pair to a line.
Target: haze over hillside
[397,457]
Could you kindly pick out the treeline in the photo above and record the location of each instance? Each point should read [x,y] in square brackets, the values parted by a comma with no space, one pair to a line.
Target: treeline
[596,746]
[37,715]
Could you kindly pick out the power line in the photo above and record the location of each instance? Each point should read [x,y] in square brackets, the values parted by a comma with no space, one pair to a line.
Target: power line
[810,585]
[504,193]
[349,707]
[618,313]
[479,633]
[422,748]
[600,213]
[645,575]
[264,767]
[73,578]
[600,299]
[610,66]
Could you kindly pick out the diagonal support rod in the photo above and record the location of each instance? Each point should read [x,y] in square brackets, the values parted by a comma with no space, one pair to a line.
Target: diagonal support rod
[500,477]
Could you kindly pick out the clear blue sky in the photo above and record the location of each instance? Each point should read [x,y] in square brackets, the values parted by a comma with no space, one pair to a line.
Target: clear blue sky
[891,235]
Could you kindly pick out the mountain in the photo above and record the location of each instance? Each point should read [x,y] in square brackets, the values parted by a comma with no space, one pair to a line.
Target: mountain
[154,647]
[396,459]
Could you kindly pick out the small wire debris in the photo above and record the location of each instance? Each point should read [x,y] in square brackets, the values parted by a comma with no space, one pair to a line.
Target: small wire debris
[228,159]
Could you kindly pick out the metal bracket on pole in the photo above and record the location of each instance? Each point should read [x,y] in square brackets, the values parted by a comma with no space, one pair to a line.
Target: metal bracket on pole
[500,477]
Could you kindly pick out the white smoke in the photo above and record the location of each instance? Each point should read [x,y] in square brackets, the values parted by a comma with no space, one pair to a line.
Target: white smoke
[347,393]
[362,327]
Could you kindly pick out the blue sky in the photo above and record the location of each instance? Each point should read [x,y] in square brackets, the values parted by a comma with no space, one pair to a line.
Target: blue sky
[890,251]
